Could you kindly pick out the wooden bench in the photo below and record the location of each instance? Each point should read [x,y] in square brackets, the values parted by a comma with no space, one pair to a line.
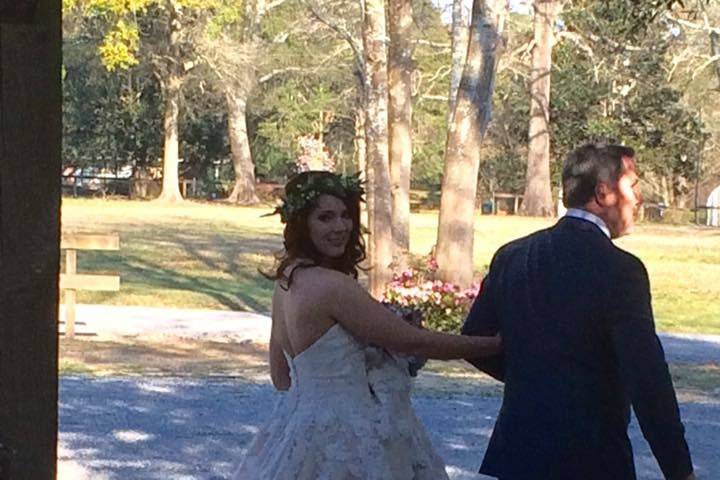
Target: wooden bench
[515,198]
[71,281]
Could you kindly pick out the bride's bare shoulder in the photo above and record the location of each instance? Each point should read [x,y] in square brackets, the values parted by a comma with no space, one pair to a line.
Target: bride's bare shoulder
[318,282]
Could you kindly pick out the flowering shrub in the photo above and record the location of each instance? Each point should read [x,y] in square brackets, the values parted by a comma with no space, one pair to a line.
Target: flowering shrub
[443,305]
[313,154]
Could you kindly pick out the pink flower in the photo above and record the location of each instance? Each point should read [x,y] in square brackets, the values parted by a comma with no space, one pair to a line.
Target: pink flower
[448,287]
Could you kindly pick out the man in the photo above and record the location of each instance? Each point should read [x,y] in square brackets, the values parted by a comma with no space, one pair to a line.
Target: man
[579,339]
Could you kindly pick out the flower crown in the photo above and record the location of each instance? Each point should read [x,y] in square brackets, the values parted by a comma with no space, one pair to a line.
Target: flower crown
[302,194]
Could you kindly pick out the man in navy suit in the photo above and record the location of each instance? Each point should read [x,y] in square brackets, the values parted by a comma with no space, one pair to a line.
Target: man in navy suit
[580,347]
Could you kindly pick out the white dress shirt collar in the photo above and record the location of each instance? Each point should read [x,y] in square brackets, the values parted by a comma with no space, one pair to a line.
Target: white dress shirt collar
[590,217]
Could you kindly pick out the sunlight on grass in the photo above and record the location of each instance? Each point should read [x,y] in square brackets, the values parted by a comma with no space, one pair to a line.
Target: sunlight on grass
[207,255]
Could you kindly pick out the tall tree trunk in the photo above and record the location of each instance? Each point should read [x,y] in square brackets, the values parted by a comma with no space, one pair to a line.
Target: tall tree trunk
[464,141]
[30,141]
[171,83]
[460,34]
[171,157]
[376,136]
[244,190]
[400,67]
[537,200]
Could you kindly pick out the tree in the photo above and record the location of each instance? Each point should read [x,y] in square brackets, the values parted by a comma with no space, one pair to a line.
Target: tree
[613,84]
[537,200]
[169,29]
[312,84]
[233,49]
[109,118]
[464,143]
[171,75]
[400,68]
[376,135]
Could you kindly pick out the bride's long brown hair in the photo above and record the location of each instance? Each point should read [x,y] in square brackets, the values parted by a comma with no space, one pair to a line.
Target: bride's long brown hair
[297,242]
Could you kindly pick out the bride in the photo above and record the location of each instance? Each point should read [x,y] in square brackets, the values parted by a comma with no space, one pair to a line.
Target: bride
[340,418]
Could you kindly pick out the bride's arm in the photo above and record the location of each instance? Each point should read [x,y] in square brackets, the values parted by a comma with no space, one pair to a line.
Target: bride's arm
[350,305]
[279,368]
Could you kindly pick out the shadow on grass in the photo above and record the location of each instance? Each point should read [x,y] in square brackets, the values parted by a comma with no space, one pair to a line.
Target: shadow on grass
[230,293]
[184,260]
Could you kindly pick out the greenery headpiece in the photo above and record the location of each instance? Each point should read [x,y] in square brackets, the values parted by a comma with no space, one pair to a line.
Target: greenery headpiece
[304,188]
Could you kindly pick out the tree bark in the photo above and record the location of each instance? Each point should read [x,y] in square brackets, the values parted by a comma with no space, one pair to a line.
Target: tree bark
[460,34]
[537,200]
[464,142]
[243,192]
[400,68]
[376,136]
[361,158]
[171,147]
[30,141]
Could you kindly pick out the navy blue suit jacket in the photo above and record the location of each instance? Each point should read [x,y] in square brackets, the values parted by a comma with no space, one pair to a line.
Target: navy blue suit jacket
[579,347]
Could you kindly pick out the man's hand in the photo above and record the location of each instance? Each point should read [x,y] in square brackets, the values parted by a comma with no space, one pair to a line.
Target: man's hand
[691,476]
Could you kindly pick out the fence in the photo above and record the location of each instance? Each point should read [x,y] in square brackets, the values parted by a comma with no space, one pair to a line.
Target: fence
[71,281]
[93,185]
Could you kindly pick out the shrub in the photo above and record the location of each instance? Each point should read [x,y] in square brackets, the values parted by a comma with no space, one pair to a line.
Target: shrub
[443,305]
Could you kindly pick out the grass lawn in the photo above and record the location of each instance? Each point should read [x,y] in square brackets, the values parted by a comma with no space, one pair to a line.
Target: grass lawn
[202,255]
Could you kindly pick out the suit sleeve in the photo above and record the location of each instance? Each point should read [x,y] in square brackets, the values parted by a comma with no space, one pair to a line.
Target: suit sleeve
[483,320]
[644,371]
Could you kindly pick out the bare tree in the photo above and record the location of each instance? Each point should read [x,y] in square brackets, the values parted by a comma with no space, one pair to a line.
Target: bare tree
[400,68]
[464,142]
[376,136]
[234,57]
[537,200]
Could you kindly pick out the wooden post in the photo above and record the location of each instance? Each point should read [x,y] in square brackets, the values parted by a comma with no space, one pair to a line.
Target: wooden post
[71,281]
[30,140]
[70,294]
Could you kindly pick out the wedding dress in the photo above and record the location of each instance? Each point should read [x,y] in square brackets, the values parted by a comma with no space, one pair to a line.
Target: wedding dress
[343,419]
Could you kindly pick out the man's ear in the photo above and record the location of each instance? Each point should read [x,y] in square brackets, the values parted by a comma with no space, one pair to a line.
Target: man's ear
[604,195]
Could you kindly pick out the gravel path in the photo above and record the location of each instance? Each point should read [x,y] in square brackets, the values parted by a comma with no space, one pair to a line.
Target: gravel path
[180,429]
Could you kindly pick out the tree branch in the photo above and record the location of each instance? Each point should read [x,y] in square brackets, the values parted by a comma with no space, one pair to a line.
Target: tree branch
[694,26]
[600,40]
[272,5]
[438,98]
[347,36]
[707,63]
[430,43]
[277,72]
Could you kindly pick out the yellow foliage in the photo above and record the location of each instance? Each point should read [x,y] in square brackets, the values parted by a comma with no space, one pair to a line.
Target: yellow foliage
[68,5]
[120,46]
[117,7]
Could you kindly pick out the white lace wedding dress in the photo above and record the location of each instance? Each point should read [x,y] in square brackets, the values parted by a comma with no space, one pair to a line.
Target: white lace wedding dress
[344,418]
